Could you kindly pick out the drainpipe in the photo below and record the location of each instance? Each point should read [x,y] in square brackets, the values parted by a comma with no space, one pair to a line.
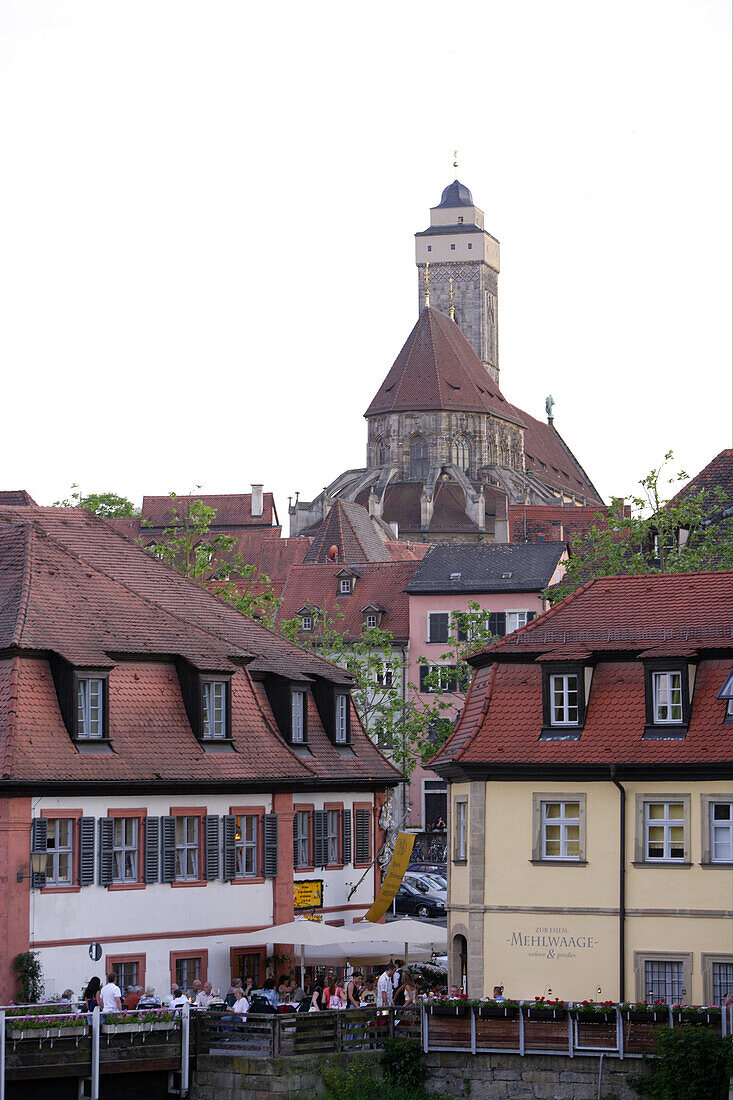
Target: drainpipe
[621,885]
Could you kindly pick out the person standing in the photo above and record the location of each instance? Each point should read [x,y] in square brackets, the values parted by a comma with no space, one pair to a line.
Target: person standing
[353,990]
[91,994]
[385,987]
[111,995]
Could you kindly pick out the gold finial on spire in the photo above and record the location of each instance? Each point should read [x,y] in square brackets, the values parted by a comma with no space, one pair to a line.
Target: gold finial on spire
[451,307]
[427,285]
[455,158]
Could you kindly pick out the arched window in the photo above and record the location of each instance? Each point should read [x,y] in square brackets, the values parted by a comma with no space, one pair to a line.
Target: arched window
[461,453]
[419,458]
[379,452]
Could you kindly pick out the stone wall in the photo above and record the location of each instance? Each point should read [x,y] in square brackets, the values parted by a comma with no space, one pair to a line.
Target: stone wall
[534,1077]
[461,1075]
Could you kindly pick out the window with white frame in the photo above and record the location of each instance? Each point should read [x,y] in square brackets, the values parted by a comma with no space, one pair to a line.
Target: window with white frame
[342,719]
[125,842]
[332,836]
[435,679]
[245,845]
[302,838]
[561,830]
[460,812]
[370,620]
[297,717]
[306,622]
[187,848]
[384,674]
[664,831]
[470,625]
[515,619]
[667,697]
[438,626]
[564,699]
[89,707]
[345,586]
[214,702]
[721,832]
[60,849]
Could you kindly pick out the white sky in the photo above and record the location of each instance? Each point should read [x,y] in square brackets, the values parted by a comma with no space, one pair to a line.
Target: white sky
[207,214]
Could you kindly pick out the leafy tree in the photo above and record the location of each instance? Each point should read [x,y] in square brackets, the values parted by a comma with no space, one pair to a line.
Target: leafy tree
[687,536]
[30,977]
[691,1062]
[399,721]
[189,545]
[102,504]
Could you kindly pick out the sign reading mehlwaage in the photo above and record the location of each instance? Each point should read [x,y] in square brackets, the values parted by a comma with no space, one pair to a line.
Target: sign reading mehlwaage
[392,880]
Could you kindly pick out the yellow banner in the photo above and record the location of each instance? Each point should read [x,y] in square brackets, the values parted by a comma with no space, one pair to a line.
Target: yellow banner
[308,895]
[392,880]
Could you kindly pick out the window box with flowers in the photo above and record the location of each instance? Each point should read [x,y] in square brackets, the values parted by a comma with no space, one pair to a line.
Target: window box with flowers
[41,1027]
[696,1014]
[449,1006]
[646,1012]
[594,1012]
[154,1019]
[495,1010]
[542,1009]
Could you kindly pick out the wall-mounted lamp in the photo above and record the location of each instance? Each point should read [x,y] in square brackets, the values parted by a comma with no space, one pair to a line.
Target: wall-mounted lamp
[38,866]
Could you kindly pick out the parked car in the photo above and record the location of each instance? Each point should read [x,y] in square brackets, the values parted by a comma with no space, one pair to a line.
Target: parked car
[413,901]
[426,885]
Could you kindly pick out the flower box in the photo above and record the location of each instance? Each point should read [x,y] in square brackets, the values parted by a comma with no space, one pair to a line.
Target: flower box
[594,1016]
[165,1025]
[40,1033]
[696,1016]
[546,1012]
[497,1012]
[650,1016]
[120,1029]
[448,1009]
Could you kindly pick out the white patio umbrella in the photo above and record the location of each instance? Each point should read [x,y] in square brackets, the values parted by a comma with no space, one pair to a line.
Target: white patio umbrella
[418,937]
[319,942]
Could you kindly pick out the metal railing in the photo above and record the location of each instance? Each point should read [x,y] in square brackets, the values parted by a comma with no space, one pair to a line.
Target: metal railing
[89,1028]
[564,1031]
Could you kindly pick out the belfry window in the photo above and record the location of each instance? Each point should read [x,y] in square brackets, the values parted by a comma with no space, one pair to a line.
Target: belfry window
[419,458]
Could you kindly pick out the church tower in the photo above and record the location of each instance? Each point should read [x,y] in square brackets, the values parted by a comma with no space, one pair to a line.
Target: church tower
[458,263]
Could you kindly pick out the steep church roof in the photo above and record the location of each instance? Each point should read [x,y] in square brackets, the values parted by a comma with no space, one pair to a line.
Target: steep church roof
[438,369]
[350,529]
[456,194]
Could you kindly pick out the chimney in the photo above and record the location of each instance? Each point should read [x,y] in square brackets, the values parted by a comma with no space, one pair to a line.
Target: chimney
[256,502]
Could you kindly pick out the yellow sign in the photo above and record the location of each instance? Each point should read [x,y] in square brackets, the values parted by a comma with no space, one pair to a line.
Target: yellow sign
[308,895]
[392,880]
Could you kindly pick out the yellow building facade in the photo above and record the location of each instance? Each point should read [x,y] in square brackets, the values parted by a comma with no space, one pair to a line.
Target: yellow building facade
[592,858]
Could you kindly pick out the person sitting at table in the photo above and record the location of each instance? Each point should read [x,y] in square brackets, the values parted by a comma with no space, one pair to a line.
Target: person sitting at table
[241,1004]
[132,997]
[369,992]
[296,993]
[149,999]
[216,1001]
[179,998]
[203,997]
[269,992]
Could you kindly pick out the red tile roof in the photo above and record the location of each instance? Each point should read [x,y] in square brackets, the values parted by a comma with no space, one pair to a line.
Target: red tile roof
[233,510]
[438,369]
[71,585]
[15,496]
[717,474]
[381,584]
[350,529]
[618,622]
[528,521]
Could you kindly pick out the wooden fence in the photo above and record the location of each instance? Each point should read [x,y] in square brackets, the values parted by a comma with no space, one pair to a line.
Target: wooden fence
[283,1035]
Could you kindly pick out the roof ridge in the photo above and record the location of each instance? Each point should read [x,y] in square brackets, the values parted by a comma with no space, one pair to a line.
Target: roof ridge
[484,711]
[12,718]
[28,533]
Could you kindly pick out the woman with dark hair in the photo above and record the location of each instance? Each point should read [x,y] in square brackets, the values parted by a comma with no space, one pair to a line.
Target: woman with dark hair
[315,1005]
[91,994]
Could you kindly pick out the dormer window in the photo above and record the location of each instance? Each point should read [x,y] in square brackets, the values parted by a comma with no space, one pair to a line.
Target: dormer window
[668,687]
[564,700]
[297,716]
[370,620]
[726,693]
[90,707]
[306,623]
[667,697]
[564,688]
[214,710]
[345,584]
[342,719]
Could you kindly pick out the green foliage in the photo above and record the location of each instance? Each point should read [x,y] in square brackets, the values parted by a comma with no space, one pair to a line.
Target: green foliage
[355,1079]
[404,726]
[30,976]
[403,1064]
[657,537]
[102,504]
[691,1062]
[189,545]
